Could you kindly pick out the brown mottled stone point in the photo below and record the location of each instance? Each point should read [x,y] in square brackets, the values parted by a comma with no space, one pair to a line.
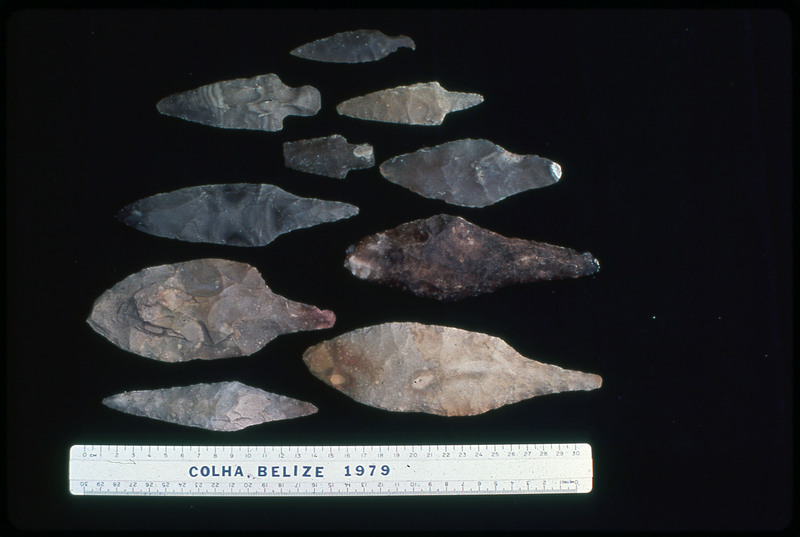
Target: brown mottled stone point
[199,310]
[420,104]
[412,367]
[448,258]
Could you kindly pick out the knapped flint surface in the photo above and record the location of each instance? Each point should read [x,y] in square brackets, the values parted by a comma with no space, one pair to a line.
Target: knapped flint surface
[240,214]
[222,406]
[411,367]
[353,47]
[258,103]
[419,104]
[330,156]
[448,258]
[470,173]
[199,310]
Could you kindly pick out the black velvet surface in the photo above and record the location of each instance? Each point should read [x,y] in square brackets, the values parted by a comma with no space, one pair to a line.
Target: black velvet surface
[673,129]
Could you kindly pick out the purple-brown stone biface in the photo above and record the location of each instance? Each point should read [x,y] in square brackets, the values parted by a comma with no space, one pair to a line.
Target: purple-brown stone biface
[412,367]
[448,258]
[199,310]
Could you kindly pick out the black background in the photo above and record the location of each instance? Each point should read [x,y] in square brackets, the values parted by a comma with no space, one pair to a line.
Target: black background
[674,132]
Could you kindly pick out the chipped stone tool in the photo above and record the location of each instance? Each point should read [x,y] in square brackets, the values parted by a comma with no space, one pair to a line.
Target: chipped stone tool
[222,406]
[233,214]
[448,258]
[470,173]
[420,104]
[412,367]
[330,156]
[258,103]
[199,310]
[357,46]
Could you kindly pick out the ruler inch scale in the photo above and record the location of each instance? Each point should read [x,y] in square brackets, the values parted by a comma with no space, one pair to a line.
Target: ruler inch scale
[347,470]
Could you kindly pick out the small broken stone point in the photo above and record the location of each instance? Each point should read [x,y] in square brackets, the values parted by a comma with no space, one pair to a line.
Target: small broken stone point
[222,406]
[259,103]
[353,47]
[199,310]
[420,104]
[470,173]
[448,258]
[233,214]
[412,367]
[330,156]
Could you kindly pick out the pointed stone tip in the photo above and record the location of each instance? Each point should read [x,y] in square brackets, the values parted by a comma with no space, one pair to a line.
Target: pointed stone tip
[592,264]
[462,101]
[472,99]
[171,106]
[129,215]
[164,106]
[555,170]
[580,381]
[326,319]
[589,382]
[299,409]
[352,210]
[599,381]
[361,268]
[112,401]
[406,41]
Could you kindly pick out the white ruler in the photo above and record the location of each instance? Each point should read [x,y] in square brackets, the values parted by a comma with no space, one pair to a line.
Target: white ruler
[403,470]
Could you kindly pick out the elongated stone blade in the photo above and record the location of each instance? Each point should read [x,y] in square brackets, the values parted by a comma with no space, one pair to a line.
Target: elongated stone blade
[470,173]
[330,156]
[411,367]
[258,103]
[199,310]
[448,258]
[222,406]
[236,214]
[357,46]
[420,104]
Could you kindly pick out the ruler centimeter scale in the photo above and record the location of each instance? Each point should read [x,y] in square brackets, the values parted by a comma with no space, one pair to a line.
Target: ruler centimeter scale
[386,470]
